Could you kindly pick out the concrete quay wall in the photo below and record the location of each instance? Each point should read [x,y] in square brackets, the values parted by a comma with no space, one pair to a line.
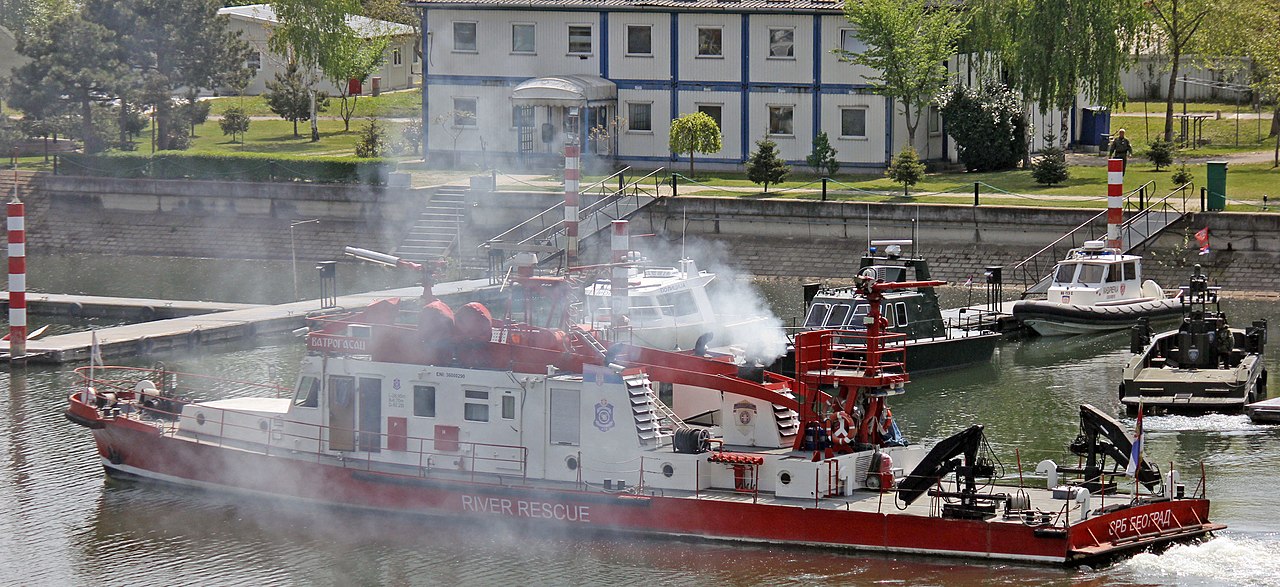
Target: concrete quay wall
[214,219]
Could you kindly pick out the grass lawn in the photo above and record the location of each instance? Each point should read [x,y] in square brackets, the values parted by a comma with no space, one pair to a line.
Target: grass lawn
[401,104]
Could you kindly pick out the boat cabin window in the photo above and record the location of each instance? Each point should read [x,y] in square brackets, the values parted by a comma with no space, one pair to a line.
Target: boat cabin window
[859,312]
[817,315]
[565,413]
[1130,270]
[900,311]
[508,407]
[645,308]
[1115,274]
[839,316]
[886,311]
[1065,273]
[476,408]
[308,395]
[679,304]
[424,401]
[1091,274]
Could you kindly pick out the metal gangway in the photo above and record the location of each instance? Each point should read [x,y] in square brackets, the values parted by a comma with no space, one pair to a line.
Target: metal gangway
[544,233]
[1147,219]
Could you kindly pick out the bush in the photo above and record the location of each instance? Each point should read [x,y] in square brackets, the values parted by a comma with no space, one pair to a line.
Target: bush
[372,141]
[988,124]
[229,167]
[234,122]
[765,166]
[906,169]
[823,157]
[1160,152]
[1050,167]
[1182,176]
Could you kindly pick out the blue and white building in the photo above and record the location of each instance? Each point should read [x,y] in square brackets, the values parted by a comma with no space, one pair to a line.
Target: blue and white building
[507,77]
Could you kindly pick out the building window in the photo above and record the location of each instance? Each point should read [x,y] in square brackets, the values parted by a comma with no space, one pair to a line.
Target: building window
[464,37]
[709,42]
[395,57]
[780,120]
[508,407]
[522,116]
[476,408]
[308,395]
[640,116]
[851,43]
[935,121]
[464,111]
[424,401]
[580,39]
[639,39]
[853,123]
[255,60]
[712,110]
[522,38]
[782,43]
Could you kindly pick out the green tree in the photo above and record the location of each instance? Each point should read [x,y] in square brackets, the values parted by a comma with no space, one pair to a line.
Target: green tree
[289,97]
[823,157]
[170,45]
[695,132]
[73,62]
[357,61]
[1179,22]
[234,122]
[765,166]
[1160,152]
[1052,50]
[412,134]
[1050,167]
[988,124]
[1182,176]
[314,33]
[906,169]
[908,45]
[372,140]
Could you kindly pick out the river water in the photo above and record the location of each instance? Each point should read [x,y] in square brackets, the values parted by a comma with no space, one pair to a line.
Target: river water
[63,523]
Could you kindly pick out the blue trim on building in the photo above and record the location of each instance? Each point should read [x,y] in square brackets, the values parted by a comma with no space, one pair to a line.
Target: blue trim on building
[888,129]
[817,74]
[650,84]
[426,59]
[745,86]
[604,44]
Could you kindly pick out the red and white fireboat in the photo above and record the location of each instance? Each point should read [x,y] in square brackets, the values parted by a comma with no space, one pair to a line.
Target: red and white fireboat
[412,408]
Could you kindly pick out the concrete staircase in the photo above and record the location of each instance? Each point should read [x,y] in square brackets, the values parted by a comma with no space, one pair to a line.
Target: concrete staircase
[435,233]
[24,180]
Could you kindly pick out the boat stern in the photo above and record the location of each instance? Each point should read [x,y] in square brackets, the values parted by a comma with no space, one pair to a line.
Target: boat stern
[1121,532]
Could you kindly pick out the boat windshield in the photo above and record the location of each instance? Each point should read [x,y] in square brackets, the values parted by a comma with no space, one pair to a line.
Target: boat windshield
[1064,273]
[817,316]
[1092,273]
[838,316]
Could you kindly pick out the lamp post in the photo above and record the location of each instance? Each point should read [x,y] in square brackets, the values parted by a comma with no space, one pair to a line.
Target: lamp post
[293,249]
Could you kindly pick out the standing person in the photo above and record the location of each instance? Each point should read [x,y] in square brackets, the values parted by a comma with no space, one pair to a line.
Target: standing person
[1120,149]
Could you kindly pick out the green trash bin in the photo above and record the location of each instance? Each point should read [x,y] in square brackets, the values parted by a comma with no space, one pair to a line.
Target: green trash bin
[1216,185]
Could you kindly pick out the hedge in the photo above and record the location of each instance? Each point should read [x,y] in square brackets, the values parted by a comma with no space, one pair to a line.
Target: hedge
[237,167]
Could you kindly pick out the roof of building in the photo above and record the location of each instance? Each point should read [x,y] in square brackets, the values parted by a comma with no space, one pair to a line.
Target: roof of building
[363,26]
[769,6]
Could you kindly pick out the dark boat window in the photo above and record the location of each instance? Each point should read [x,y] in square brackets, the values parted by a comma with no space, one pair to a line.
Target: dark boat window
[1130,270]
[839,316]
[424,401]
[901,308]
[509,407]
[817,315]
[1092,274]
[1115,275]
[859,312]
[1064,273]
[886,311]
[644,308]
[308,395]
[680,303]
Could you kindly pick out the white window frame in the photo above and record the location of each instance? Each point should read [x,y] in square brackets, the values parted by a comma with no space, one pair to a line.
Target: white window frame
[454,31]
[534,44]
[630,118]
[698,42]
[478,398]
[933,121]
[396,59]
[790,57]
[846,137]
[850,33]
[591,38]
[628,40]
[792,107]
[475,100]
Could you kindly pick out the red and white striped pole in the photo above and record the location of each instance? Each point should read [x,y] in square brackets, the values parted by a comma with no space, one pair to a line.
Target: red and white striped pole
[1115,201]
[17,279]
[571,178]
[620,244]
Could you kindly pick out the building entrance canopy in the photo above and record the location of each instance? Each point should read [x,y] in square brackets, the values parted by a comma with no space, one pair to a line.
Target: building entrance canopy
[564,90]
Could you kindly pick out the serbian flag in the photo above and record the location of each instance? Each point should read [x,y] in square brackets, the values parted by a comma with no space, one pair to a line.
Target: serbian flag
[1135,455]
[1202,238]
